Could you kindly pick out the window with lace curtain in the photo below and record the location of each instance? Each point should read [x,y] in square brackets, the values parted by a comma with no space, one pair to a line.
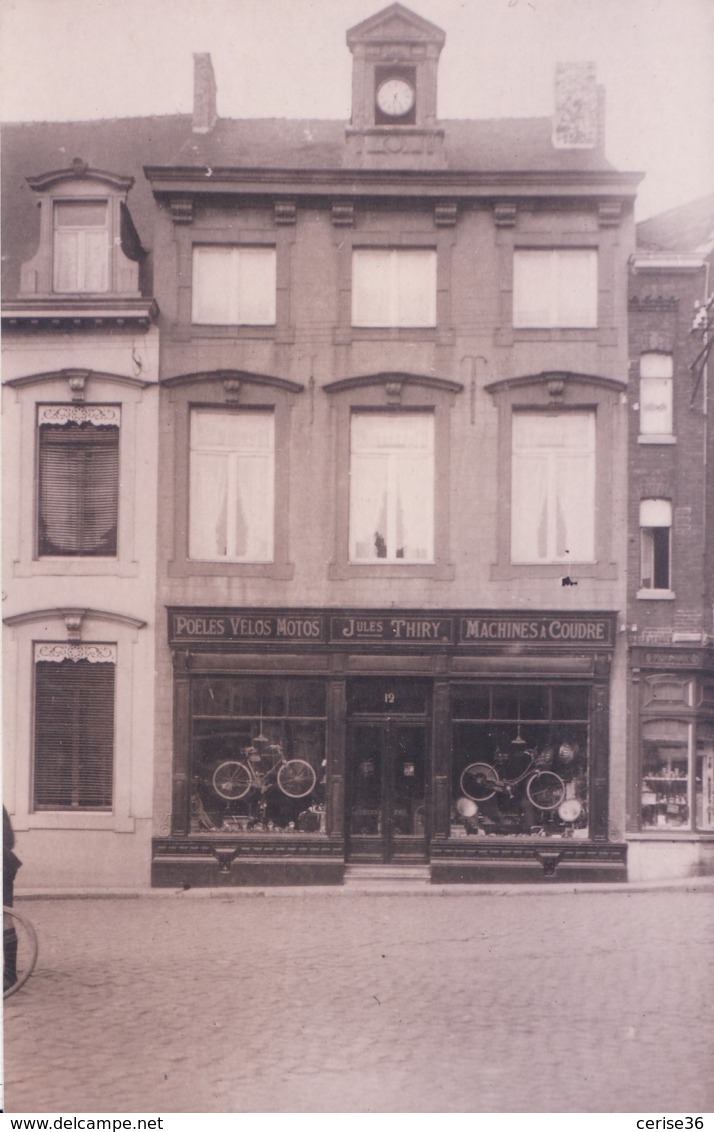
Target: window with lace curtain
[392,487]
[553,487]
[78,480]
[232,485]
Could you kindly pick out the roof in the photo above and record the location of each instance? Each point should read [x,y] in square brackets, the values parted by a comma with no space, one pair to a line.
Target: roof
[124,146]
[687,228]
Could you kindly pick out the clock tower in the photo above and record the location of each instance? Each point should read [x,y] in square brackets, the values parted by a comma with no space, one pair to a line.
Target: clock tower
[393,125]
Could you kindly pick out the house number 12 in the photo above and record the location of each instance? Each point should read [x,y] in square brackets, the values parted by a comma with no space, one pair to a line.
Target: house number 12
[389,697]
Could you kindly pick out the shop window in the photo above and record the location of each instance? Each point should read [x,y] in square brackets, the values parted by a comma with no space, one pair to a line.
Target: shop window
[74,727]
[258,756]
[555,287]
[232,472]
[234,286]
[656,394]
[704,778]
[553,487]
[655,544]
[392,487]
[520,760]
[665,774]
[78,483]
[81,246]
[394,287]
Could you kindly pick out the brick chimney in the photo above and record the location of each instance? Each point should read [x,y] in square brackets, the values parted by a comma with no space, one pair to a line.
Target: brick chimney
[204,95]
[579,105]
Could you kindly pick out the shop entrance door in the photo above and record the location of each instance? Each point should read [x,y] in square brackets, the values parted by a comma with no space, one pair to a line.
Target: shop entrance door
[386,805]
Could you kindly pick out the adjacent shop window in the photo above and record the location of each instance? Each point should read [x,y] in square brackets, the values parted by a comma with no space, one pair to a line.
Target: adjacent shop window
[394,287]
[234,286]
[555,287]
[520,760]
[78,481]
[81,246]
[656,389]
[74,727]
[677,782]
[553,487]
[258,755]
[232,485]
[655,544]
[392,487]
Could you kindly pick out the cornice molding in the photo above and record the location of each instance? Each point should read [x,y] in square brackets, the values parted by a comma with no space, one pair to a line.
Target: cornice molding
[555,381]
[392,379]
[71,374]
[592,184]
[228,376]
[72,614]
[79,313]
[79,170]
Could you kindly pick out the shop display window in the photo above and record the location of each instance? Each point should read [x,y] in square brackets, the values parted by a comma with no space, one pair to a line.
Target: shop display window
[258,756]
[520,760]
[677,785]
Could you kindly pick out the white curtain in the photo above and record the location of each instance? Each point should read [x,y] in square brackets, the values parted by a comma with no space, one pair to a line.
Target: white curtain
[231,486]
[234,286]
[394,287]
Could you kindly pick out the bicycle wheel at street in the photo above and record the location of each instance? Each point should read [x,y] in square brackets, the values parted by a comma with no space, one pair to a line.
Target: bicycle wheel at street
[545,790]
[296,778]
[232,780]
[479,781]
[19,951]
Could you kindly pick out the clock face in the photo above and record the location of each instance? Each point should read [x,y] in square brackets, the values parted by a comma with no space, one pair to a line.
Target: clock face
[395,97]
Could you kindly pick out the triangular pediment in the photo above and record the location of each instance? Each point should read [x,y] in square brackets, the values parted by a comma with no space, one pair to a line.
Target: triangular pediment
[395,24]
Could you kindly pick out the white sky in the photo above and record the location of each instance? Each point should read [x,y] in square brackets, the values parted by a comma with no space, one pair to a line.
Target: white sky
[64,59]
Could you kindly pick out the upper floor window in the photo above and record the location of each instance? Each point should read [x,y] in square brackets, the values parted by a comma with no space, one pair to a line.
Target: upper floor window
[81,246]
[394,287]
[392,487]
[78,480]
[655,544]
[553,487]
[234,286]
[232,488]
[656,389]
[74,727]
[555,287]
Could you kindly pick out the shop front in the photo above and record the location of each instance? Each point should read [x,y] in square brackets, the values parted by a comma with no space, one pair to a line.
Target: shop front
[474,742]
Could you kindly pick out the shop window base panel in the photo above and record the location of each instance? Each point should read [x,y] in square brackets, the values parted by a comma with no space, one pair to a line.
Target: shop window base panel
[529,863]
[225,864]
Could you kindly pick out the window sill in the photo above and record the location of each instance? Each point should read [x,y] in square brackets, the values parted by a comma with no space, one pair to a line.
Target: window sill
[346,335]
[75,819]
[655,595]
[511,571]
[440,571]
[280,571]
[657,438]
[75,568]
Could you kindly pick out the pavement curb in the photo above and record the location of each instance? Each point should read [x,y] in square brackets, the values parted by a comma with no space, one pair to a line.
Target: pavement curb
[374,888]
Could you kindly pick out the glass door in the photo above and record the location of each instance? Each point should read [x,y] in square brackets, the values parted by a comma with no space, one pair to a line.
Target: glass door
[386,807]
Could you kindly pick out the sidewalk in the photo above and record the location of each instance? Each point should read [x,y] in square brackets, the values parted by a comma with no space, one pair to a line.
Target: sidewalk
[375,888]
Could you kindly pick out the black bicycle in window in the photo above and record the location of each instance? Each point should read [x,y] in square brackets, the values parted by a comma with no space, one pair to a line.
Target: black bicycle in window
[544,788]
[263,765]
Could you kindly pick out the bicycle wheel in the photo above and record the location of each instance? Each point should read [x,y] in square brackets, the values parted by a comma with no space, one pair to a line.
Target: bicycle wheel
[546,790]
[479,781]
[19,950]
[232,780]
[296,778]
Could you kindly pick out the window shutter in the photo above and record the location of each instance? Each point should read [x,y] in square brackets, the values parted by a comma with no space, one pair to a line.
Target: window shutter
[78,490]
[74,735]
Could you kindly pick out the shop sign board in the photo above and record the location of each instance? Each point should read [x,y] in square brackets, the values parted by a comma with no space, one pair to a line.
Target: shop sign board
[480,629]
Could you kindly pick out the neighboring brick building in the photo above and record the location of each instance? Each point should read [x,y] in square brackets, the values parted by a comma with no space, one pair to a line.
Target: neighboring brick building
[671,560]
[389,509]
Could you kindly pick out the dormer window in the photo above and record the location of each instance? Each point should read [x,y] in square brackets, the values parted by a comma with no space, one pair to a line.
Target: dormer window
[87,243]
[81,246]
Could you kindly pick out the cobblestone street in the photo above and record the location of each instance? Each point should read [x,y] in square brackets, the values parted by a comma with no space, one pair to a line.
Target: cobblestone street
[313,1001]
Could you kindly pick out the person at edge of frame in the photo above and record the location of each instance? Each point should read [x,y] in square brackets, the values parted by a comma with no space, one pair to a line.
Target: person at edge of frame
[10,864]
